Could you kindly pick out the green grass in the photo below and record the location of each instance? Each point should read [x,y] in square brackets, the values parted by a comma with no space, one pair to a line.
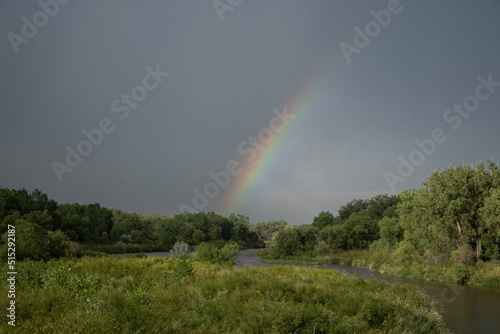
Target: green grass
[482,274]
[163,295]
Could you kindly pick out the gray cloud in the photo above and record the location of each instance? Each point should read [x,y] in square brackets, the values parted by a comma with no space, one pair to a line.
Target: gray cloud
[225,78]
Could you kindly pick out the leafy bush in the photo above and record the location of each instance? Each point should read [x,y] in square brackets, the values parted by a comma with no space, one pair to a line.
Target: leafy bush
[286,243]
[183,267]
[491,247]
[122,246]
[322,248]
[179,249]
[463,255]
[404,254]
[459,274]
[208,253]
[36,243]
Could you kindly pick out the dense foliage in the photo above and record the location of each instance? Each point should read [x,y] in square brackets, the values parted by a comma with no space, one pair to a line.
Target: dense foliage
[356,227]
[455,214]
[168,295]
[454,219]
[443,228]
[45,228]
[210,253]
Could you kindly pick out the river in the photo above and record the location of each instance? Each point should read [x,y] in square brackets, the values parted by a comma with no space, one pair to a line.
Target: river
[464,309]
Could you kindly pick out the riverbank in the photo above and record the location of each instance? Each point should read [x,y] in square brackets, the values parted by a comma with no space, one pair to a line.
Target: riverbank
[485,274]
[160,294]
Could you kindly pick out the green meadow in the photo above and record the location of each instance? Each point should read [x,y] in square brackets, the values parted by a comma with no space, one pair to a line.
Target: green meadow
[168,295]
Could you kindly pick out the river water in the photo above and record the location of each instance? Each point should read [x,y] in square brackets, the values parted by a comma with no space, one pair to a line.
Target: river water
[464,309]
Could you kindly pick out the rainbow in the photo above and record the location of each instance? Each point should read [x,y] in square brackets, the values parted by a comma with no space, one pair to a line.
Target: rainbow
[241,186]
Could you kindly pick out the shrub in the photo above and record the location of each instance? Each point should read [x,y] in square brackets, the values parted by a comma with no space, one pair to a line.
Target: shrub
[463,255]
[122,246]
[286,243]
[322,248]
[179,249]
[263,253]
[183,267]
[404,253]
[460,274]
[208,253]
[228,253]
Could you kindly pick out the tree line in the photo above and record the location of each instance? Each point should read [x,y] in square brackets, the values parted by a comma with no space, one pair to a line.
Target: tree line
[455,216]
[44,228]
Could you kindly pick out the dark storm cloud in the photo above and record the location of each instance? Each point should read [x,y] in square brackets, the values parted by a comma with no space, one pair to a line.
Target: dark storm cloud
[225,79]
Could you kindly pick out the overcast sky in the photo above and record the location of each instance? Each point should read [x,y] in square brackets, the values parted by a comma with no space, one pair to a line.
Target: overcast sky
[200,79]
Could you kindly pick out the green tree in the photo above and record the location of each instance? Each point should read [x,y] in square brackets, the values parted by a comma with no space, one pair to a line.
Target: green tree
[42,218]
[199,236]
[286,242]
[32,241]
[266,230]
[391,233]
[335,236]
[382,205]
[240,231]
[58,244]
[491,215]
[308,237]
[9,220]
[186,233]
[323,220]
[361,230]
[424,227]
[447,213]
[491,212]
[168,230]
[352,207]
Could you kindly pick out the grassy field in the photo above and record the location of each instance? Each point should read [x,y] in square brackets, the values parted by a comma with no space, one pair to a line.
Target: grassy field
[482,274]
[164,295]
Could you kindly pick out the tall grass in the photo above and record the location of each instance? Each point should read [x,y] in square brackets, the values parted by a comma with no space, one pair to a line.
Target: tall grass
[386,262]
[164,295]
